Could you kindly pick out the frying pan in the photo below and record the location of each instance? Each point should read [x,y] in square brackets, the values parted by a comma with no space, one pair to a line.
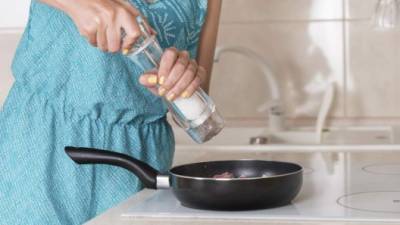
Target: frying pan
[266,183]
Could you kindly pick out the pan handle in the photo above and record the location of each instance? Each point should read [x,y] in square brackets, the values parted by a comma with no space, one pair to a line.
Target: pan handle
[146,173]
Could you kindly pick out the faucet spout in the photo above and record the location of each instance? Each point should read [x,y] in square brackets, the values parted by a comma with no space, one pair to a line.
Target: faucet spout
[275,108]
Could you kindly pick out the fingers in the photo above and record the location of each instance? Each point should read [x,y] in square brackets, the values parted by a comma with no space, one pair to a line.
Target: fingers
[192,87]
[168,78]
[100,22]
[131,28]
[101,38]
[132,31]
[168,60]
[201,73]
[127,21]
[89,31]
[148,80]
[92,38]
[113,39]
[181,81]
[177,70]
[109,28]
[182,84]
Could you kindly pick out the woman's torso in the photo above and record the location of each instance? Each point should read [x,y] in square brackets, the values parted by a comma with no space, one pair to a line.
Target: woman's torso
[55,63]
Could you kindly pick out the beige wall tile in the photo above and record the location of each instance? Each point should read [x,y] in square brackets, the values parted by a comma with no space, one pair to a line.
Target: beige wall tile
[304,56]
[373,71]
[8,43]
[261,10]
[360,9]
[14,13]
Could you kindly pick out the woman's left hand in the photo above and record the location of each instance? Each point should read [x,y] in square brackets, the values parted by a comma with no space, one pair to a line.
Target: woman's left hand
[177,76]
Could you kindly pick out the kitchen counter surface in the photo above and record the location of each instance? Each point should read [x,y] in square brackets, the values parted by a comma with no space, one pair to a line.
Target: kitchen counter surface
[338,188]
[113,216]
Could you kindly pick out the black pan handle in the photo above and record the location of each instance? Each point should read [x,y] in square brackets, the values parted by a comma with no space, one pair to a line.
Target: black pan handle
[146,173]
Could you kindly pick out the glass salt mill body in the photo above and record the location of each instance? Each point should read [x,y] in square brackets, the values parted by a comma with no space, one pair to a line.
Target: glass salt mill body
[196,114]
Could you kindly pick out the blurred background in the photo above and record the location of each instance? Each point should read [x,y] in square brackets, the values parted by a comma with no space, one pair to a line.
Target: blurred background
[306,44]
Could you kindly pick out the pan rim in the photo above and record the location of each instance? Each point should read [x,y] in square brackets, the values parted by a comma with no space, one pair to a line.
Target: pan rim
[301,169]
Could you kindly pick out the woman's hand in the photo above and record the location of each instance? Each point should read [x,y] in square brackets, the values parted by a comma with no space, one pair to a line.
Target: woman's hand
[177,76]
[100,22]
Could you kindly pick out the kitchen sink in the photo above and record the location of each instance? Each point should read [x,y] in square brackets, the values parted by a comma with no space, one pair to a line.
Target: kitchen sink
[303,138]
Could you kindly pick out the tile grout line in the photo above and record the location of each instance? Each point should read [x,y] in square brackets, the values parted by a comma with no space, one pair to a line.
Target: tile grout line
[9,30]
[345,71]
[234,22]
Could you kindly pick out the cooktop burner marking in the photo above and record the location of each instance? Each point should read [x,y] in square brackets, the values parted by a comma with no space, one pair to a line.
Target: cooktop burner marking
[377,202]
[384,168]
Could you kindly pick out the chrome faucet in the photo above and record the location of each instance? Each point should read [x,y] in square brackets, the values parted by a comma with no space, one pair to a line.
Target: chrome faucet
[275,108]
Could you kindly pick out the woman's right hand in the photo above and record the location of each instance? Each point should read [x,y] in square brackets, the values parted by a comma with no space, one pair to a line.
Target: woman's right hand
[100,22]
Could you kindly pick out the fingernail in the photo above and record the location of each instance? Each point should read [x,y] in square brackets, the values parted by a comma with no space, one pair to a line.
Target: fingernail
[170,96]
[185,94]
[161,81]
[152,79]
[161,91]
[125,51]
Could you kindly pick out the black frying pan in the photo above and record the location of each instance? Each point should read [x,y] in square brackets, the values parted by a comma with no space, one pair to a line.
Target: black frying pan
[266,183]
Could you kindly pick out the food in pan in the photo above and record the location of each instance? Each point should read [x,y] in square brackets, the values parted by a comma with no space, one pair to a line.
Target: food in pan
[230,175]
[224,175]
[227,175]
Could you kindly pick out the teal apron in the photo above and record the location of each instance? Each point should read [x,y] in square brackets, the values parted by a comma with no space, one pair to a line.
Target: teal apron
[67,92]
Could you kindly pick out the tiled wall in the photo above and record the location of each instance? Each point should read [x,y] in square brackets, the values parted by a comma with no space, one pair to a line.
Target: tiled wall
[13,16]
[8,43]
[307,43]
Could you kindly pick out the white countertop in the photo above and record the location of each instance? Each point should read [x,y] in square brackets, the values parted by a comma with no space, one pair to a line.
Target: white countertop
[113,216]
[372,180]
